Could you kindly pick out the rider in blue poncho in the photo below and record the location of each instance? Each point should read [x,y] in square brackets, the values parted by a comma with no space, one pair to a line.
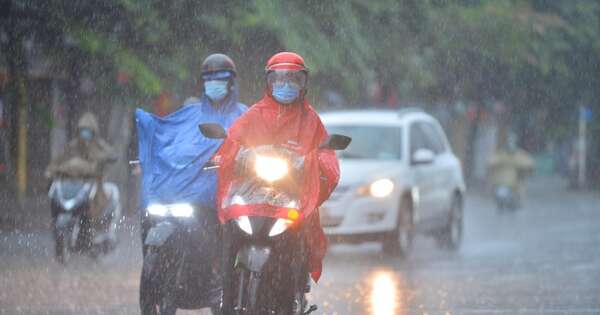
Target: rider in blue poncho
[172,154]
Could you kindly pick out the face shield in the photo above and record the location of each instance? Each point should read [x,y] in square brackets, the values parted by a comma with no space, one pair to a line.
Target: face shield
[286,86]
[296,79]
[86,134]
[217,75]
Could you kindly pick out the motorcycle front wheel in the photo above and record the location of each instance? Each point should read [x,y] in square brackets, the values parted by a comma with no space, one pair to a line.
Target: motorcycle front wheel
[61,247]
[153,300]
[148,291]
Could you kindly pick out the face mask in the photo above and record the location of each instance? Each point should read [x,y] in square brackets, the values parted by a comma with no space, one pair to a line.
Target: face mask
[86,134]
[216,90]
[285,93]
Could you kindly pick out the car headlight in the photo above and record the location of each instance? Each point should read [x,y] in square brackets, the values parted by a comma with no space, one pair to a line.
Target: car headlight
[270,168]
[181,210]
[381,188]
[243,223]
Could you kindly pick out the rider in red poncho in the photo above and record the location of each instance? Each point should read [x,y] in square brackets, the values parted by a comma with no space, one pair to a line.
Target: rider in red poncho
[284,117]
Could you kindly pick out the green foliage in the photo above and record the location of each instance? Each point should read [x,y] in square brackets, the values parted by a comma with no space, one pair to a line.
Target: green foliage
[529,53]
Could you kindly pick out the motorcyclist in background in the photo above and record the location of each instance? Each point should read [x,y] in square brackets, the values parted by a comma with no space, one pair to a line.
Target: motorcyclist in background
[172,154]
[507,170]
[88,148]
[284,117]
[86,157]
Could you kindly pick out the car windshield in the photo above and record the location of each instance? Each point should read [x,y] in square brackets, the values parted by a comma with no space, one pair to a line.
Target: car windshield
[370,142]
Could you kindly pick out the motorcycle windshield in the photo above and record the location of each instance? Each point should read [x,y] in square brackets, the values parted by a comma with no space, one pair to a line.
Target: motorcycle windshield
[266,175]
[71,188]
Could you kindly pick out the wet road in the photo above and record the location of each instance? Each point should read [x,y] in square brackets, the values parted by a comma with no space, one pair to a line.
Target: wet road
[544,259]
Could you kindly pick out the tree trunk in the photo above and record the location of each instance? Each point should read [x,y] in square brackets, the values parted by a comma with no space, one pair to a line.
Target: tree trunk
[58,133]
[17,72]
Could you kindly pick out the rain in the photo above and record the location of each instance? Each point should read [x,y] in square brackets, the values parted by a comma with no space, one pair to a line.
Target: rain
[399,157]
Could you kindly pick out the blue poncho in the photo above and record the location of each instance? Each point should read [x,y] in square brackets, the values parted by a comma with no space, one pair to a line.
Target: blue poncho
[172,152]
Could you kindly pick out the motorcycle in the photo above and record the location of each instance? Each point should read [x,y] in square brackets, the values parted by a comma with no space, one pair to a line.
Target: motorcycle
[73,228]
[177,259]
[506,198]
[265,268]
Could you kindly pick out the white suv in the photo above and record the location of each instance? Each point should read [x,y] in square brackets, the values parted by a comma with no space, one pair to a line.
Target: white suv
[398,177]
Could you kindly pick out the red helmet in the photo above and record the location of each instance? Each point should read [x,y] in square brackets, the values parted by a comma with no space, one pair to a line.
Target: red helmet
[286,61]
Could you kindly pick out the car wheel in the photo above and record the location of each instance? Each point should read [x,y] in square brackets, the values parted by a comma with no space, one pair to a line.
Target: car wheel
[452,234]
[400,241]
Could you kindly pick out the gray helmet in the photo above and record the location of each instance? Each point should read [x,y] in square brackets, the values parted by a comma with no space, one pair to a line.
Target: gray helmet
[218,62]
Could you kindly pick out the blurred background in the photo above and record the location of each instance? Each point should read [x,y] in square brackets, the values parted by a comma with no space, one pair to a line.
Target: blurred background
[484,69]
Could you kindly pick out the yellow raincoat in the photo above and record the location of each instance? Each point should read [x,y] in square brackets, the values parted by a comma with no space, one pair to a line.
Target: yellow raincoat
[509,169]
[85,159]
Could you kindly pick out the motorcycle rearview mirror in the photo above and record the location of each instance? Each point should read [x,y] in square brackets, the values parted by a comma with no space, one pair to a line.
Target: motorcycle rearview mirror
[210,165]
[336,142]
[213,131]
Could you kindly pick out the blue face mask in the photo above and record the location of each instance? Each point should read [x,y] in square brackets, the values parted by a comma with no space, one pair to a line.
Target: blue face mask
[86,134]
[285,93]
[216,90]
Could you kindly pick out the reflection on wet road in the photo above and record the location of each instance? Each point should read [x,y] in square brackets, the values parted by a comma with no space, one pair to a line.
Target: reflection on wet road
[544,259]
[385,297]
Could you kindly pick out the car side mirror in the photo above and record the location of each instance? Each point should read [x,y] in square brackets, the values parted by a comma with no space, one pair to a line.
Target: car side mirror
[213,131]
[336,142]
[423,156]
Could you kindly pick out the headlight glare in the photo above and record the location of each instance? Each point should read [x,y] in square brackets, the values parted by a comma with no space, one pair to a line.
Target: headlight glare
[243,223]
[69,204]
[182,210]
[156,209]
[179,210]
[270,168]
[381,188]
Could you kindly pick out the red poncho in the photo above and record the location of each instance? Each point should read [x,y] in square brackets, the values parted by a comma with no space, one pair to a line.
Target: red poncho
[268,123]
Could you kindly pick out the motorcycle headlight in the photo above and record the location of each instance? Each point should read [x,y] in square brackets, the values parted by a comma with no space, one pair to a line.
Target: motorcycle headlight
[179,210]
[182,210]
[69,204]
[243,223]
[158,210]
[279,227]
[270,168]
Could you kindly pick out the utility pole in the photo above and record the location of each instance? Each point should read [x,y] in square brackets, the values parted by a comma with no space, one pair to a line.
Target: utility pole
[585,115]
[18,70]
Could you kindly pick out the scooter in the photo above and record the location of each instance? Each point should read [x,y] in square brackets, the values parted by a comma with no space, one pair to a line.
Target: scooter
[265,268]
[73,228]
[177,258]
[506,198]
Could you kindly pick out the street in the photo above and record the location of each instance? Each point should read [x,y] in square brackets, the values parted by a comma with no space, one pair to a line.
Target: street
[543,259]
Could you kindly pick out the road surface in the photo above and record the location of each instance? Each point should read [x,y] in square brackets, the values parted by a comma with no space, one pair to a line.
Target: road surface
[544,259]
